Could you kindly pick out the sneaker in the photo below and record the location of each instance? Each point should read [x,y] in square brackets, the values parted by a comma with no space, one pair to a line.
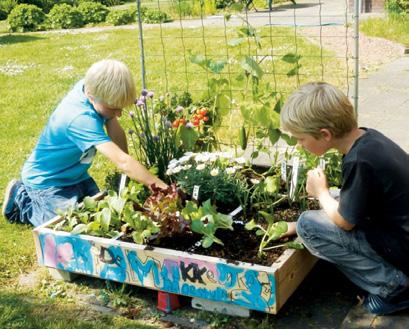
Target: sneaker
[9,196]
[380,306]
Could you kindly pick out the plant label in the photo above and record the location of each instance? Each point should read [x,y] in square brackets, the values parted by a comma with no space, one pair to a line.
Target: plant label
[236,211]
[322,164]
[284,171]
[122,183]
[195,193]
[294,177]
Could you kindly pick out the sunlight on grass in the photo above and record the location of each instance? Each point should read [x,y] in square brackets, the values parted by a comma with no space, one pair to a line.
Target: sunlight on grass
[395,29]
[4,27]
[19,311]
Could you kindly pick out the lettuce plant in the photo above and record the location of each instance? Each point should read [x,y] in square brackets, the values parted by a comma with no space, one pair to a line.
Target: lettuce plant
[205,220]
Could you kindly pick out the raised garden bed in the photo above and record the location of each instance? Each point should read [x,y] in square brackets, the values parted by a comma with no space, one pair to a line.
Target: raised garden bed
[252,286]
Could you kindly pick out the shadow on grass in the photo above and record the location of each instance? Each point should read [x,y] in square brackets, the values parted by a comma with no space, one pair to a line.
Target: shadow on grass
[9,39]
[28,312]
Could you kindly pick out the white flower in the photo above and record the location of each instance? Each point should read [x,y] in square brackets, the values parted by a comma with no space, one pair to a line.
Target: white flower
[202,157]
[177,169]
[254,181]
[214,172]
[240,160]
[230,170]
[201,166]
[186,167]
[169,172]
[212,157]
[188,154]
[173,163]
[184,159]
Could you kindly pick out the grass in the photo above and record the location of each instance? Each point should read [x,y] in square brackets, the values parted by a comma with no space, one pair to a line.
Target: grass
[394,28]
[4,27]
[37,70]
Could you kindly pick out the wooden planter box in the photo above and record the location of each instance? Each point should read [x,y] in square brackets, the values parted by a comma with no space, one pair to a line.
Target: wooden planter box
[251,286]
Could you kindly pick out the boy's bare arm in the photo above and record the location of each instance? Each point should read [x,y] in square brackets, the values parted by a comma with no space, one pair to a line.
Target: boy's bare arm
[317,187]
[117,134]
[128,165]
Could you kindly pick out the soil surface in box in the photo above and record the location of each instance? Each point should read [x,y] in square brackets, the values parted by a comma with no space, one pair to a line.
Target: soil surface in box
[239,244]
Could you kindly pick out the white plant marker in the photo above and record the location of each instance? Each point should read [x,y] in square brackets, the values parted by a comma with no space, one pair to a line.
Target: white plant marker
[195,193]
[284,170]
[294,177]
[322,163]
[122,183]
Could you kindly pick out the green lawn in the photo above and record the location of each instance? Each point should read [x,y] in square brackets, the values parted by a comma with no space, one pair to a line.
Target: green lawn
[394,28]
[36,70]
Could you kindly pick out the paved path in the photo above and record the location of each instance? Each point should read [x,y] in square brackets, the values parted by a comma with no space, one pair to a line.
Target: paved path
[384,101]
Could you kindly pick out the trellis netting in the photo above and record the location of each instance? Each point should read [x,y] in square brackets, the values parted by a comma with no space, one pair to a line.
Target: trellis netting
[243,54]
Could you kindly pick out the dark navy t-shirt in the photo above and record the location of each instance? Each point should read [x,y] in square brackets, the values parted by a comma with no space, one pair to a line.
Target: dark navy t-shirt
[375,195]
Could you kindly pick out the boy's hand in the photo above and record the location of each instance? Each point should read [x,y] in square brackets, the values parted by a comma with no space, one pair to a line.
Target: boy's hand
[316,182]
[290,231]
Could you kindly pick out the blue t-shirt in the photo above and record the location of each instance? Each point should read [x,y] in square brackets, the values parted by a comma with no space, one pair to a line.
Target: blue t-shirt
[66,146]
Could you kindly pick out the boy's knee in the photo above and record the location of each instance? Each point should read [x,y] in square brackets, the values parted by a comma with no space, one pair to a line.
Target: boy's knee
[309,223]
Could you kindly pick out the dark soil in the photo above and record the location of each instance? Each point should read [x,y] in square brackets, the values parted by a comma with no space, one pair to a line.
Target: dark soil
[239,244]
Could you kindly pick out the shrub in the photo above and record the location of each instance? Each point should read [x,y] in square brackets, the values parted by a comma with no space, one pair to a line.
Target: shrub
[46,5]
[397,6]
[64,16]
[93,12]
[108,3]
[25,18]
[185,8]
[120,17]
[221,4]
[155,16]
[6,6]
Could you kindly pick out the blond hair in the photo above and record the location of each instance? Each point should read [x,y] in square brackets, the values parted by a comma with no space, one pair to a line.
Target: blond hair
[315,106]
[110,81]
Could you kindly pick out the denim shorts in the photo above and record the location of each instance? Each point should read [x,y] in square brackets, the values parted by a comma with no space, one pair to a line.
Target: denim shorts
[37,206]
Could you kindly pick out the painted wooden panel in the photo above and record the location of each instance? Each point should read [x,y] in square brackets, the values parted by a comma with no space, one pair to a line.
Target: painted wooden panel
[246,285]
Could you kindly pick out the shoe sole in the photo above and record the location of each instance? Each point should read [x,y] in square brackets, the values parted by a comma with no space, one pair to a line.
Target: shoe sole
[378,307]
[7,195]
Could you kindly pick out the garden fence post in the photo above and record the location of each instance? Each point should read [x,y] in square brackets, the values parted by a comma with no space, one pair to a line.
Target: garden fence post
[122,182]
[141,48]
[357,7]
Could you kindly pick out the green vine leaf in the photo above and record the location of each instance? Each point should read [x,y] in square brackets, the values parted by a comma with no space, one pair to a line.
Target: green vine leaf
[252,67]
[291,58]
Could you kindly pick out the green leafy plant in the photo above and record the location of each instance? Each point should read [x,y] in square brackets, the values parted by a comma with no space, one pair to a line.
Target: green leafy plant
[101,217]
[162,129]
[64,16]
[152,16]
[25,18]
[261,109]
[120,17]
[93,12]
[205,220]
[141,226]
[217,175]
[271,233]
[152,137]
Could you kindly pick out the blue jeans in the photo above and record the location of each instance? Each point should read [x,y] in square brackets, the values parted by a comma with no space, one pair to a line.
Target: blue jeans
[38,206]
[351,253]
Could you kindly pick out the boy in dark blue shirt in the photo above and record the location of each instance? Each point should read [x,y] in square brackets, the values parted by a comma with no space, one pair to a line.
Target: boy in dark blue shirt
[366,233]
